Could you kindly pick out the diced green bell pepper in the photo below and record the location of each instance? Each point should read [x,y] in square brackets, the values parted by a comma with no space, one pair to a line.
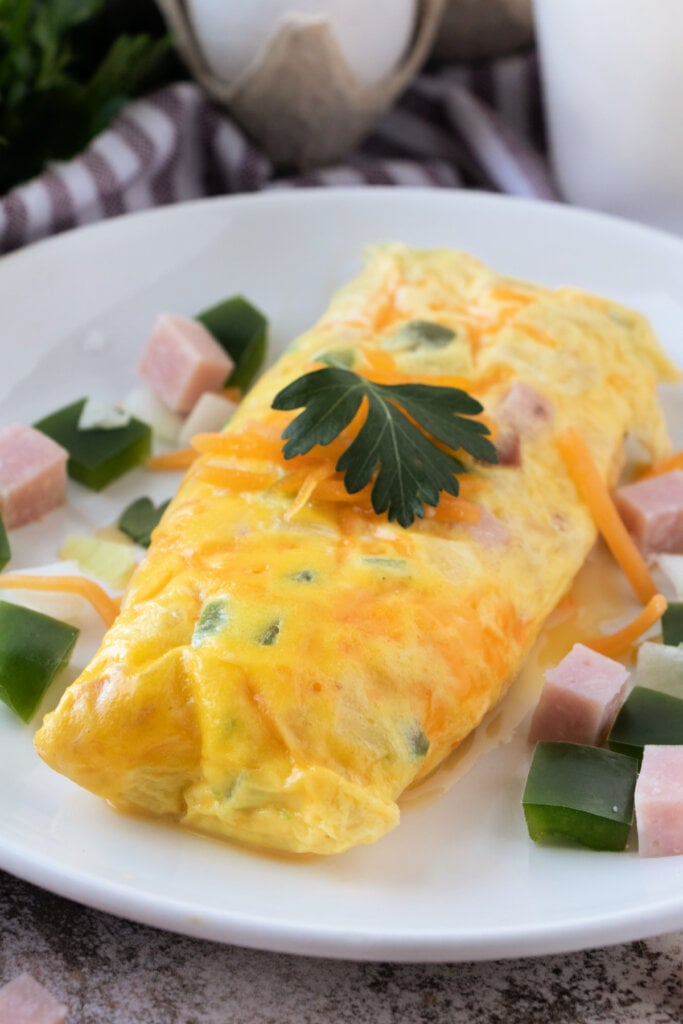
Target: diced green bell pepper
[140,518]
[647,716]
[672,624]
[33,649]
[270,634]
[242,330]
[417,334]
[213,619]
[5,553]
[418,741]
[96,457]
[580,793]
[343,357]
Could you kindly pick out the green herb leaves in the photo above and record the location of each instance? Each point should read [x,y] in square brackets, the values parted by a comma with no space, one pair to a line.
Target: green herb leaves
[60,84]
[397,442]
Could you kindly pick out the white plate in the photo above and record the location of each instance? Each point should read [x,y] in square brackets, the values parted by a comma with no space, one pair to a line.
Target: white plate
[459,879]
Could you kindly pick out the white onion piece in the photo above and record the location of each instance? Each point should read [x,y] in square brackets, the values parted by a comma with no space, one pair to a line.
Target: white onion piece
[210,413]
[99,415]
[142,403]
[660,667]
[672,567]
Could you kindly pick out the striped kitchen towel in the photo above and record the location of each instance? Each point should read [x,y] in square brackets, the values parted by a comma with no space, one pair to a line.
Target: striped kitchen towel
[474,127]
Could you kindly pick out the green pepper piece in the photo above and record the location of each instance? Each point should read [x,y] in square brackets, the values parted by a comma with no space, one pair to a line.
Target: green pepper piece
[646,716]
[580,793]
[5,553]
[417,334]
[672,624]
[140,518]
[242,330]
[96,457]
[213,619]
[342,357]
[270,634]
[33,649]
[418,741]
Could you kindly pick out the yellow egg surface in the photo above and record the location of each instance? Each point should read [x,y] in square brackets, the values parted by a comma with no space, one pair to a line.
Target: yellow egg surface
[286,662]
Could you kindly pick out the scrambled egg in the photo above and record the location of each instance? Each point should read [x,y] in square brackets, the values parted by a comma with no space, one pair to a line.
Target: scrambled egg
[286,662]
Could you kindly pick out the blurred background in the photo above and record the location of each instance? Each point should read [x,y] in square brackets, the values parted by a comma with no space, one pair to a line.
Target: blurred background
[111,106]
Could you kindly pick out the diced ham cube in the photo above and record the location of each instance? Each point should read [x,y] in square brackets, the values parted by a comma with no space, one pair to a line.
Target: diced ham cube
[509,448]
[524,409]
[182,360]
[652,510]
[32,474]
[24,1001]
[522,412]
[580,698]
[489,531]
[659,802]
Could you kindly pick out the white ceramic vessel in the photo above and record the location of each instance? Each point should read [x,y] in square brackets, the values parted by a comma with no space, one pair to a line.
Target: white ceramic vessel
[613,83]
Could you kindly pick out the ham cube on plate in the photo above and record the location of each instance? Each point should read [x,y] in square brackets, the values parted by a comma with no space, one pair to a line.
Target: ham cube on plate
[659,802]
[32,474]
[24,1001]
[580,698]
[652,510]
[182,360]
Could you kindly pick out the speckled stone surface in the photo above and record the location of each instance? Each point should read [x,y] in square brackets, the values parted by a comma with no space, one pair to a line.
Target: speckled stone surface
[110,971]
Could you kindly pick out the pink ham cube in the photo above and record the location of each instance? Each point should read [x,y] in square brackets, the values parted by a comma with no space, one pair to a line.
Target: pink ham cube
[521,414]
[524,409]
[652,510]
[24,1001]
[580,698]
[182,360]
[659,802]
[32,474]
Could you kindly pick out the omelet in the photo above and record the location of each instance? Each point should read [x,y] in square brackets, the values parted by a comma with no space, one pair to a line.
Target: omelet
[287,662]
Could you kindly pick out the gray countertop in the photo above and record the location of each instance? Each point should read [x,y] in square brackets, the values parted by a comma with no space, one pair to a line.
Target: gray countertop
[111,971]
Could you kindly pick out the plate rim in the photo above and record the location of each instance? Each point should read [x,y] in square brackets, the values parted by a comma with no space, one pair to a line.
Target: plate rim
[323,193]
[333,942]
[326,940]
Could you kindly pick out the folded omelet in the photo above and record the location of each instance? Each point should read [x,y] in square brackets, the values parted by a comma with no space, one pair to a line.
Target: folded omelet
[286,662]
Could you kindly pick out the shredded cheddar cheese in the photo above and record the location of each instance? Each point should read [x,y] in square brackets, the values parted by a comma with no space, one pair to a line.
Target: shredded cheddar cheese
[181,459]
[591,487]
[105,606]
[613,645]
[675,461]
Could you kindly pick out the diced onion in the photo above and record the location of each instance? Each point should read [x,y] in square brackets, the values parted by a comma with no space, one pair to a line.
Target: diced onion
[146,406]
[209,415]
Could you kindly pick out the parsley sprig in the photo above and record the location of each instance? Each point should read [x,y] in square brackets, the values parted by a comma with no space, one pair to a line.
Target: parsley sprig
[396,443]
[66,69]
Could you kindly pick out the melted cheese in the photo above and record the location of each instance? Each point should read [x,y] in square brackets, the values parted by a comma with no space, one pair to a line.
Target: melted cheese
[286,663]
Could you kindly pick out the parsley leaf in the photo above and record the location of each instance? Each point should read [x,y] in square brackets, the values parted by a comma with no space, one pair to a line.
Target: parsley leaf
[397,440]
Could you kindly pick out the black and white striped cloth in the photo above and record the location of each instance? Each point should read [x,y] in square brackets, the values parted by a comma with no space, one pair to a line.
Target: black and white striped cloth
[456,127]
